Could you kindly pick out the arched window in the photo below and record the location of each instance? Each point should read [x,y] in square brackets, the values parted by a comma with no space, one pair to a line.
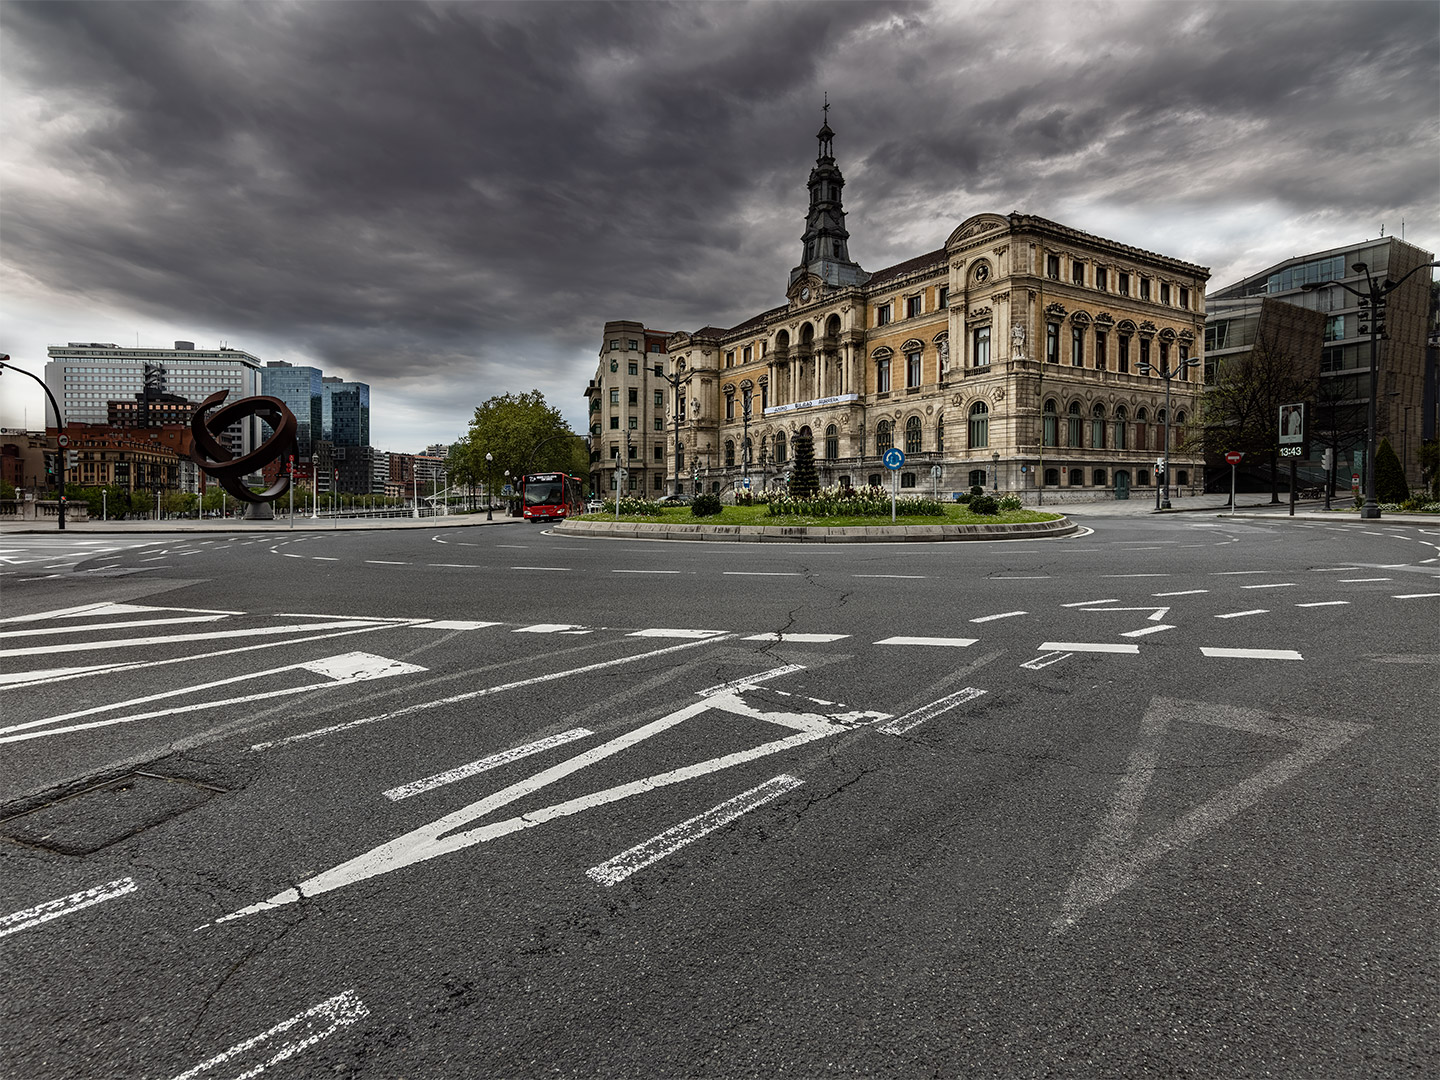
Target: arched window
[1142,437]
[1052,477]
[1099,477]
[873,480]
[779,447]
[1120,417]
[940,435]
[978,477]
[1097,426]
[882,372]
[907,479]
[1178,437]
[883,441]
[832,443]
[1074,424]
[979,426]
[1077,477]
[912,436]
[1182,477]
[1051,434]
[730,452]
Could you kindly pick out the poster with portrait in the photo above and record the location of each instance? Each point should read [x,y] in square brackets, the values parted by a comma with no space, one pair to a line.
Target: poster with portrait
[1294,431]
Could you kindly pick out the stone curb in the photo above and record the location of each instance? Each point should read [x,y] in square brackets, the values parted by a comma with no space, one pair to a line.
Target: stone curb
[816,534]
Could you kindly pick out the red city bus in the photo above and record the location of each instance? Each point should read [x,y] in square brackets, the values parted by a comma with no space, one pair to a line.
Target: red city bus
[550,496]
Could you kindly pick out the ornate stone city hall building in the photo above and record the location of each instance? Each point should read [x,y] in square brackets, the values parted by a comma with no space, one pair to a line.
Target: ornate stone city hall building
[1011,357]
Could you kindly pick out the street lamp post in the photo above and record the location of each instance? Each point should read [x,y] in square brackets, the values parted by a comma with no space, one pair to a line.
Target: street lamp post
[1372,298]
[489,487]
[60,439]
[745,440]
[995,476]
[1167,373]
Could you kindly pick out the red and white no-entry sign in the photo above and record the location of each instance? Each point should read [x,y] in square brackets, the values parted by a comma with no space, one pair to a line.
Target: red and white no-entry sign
[1234,457]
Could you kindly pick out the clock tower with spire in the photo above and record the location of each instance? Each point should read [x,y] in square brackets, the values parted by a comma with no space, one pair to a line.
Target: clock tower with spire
[825,255]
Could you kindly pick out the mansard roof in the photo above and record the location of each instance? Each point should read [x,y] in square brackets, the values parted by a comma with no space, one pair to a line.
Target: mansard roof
[906,268]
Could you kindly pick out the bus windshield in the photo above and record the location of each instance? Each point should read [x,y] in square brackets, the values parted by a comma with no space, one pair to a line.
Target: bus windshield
[543,493]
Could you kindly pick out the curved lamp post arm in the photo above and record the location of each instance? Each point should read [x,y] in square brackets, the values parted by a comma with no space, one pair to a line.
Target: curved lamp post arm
[59,427]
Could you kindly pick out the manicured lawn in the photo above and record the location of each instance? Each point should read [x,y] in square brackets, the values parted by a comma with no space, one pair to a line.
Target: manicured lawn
[955,514]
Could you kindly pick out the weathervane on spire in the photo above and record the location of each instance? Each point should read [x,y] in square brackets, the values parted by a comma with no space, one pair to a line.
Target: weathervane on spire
[825,112]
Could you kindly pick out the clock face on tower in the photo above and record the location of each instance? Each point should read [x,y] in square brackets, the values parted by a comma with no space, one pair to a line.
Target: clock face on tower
[805,293]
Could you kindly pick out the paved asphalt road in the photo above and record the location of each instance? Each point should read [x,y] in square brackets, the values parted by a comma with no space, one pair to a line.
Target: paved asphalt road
[1155,800]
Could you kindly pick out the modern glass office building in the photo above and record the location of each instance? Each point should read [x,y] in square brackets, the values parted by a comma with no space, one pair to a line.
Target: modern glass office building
[300,389]
[345,412]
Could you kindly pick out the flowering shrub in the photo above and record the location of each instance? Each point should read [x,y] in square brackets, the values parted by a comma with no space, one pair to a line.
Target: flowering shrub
[853,502]
[1009,502]
[632,506]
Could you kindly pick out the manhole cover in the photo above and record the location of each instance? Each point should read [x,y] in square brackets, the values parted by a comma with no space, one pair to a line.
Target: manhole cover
[102,815]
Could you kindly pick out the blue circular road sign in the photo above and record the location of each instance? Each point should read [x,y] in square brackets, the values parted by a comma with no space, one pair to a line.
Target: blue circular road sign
[894,458]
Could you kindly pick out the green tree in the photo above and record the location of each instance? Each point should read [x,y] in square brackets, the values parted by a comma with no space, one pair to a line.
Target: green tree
[1429,457]
[1242,404]
[1390,485]
[524,434]
[804,480]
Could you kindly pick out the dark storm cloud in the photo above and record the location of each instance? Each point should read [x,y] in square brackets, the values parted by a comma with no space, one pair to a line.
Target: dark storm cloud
[448,201]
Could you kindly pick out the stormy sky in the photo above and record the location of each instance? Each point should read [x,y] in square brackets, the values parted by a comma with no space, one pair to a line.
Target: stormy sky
[447,201]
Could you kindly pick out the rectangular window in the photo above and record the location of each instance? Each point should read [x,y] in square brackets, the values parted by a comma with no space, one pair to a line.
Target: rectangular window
[1102,279]
[912,306]
[912,369]
[883,314]
[748,354]
[634,423]
[680,459]
[1185,298]
[1124,284]
[1052,266]
[614,344]
[1124,354]
[942,296]
[615,423]
[634,345]
[1144,350]
[982,346]
[659,452]
[729,406]
[1052,343]
[1101,340]
[615,395]
[634,396]
[882,375]
[1164,292]
[634,452]
[1144,288]
[659,399]
[1077,346]
[1077,273]
[730,358]
[659,369]
[659,423]
[764,398]
[634,368]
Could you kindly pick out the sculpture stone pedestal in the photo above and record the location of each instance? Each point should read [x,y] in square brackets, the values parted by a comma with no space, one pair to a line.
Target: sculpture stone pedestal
[259,512]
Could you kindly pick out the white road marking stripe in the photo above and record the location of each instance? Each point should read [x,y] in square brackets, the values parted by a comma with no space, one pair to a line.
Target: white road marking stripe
[384,562]
[456,624]
[1045,661]
[549,628]
[291,555]
[180,639]
[1254,654]
[1361,580]
[759,573]
[324,558]
[1132,575]
[1331,569]
[565,569]
[1183,592]
[485,764]
[1272,585]
[902,577]
[483,692]
[54,909]
[456,565]
[338,1011]
[1324,603]
[1085,603]
[956,642]
[787,636]
[1020,577]
[341,669]
[916,717]
[749,682]
[1234,573]
[645,571]
[1147,630]
[1415,595]
[613,871]
[1088,646]
[1240,614]
[663,632]
[88,627]
[1002,615]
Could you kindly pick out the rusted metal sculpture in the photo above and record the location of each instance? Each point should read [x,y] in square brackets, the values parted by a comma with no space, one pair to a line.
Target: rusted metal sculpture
[227,469]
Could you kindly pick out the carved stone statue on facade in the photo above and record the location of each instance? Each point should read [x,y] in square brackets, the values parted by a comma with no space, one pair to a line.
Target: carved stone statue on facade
[1017,343]
[945,356]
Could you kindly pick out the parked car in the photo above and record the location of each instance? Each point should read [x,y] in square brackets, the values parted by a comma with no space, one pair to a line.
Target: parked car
[675,500]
